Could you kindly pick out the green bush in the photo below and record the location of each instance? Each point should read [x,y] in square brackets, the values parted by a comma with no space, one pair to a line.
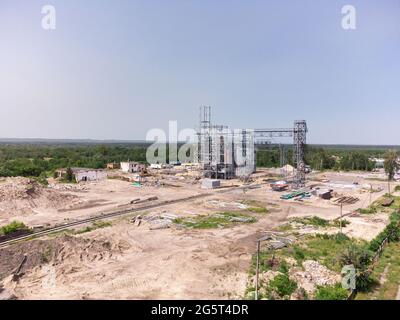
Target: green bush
[13,227]
[369,210]
[334,292]
[283,267]
[282,285]
[360,258]
[42,179]
[345,223]
[392,231]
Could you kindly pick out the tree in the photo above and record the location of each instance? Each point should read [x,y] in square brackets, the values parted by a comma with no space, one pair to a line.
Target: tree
[69,175]
[360,258]
[391,165]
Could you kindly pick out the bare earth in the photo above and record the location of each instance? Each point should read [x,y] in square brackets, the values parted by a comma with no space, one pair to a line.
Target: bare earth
[126,261]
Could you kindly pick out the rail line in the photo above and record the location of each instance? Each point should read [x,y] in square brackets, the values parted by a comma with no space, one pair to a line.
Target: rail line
[104,216]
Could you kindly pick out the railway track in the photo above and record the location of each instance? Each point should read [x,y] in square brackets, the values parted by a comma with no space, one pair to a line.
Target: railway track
[114,214]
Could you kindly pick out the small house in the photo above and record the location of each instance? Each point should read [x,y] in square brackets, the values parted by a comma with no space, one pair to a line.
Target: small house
[84,174]
[113,165]
[132,167]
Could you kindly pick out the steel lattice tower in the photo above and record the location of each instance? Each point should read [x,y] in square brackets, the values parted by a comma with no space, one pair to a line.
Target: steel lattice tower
[299,142]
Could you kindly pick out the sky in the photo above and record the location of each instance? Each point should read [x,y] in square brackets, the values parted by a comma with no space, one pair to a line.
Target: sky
[117,69]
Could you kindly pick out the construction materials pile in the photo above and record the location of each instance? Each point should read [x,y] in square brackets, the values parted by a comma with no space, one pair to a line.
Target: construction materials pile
[296,194]
[345,200]
[155,221]
[279,185]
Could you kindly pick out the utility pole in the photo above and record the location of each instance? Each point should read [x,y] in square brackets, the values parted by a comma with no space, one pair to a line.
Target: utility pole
[257,266]
[341,214]
[370,195]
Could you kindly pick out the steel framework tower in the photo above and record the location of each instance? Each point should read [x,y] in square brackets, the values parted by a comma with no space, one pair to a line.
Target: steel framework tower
[299,142]
[299,133]
[204,140]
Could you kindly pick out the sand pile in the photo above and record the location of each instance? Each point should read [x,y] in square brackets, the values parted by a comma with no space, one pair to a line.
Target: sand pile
[65,251]
[20,195]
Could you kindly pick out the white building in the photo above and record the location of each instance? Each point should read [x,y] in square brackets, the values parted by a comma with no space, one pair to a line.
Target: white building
[156,166]
[85,174]
[379,162]
[131,166]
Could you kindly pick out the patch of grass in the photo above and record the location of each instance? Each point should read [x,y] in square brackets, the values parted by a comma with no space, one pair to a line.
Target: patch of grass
[345,223]
[258,209]
[47,254]
[95,225]
[322,247]
[396,204]
[285,227]
[369,210]
[376,206]
[255,206]
[314,221]
[320,222]
[397,188]
[387,270]
[334,292]
[13,227]
[216,220]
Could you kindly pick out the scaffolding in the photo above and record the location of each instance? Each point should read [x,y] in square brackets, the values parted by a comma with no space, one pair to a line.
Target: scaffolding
[224,153]
[299,142]
[299,134]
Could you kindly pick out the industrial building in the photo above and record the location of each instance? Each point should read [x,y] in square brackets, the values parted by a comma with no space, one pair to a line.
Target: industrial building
[224,153]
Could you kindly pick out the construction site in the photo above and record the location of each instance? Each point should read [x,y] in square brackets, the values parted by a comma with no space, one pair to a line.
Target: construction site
[188,230]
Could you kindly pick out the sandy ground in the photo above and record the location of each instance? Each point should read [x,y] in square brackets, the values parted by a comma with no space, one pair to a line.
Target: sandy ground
[170,263]
[153,264]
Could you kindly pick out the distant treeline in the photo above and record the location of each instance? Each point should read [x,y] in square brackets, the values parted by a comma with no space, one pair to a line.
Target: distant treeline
[36,160]
[43,159]
[321,158]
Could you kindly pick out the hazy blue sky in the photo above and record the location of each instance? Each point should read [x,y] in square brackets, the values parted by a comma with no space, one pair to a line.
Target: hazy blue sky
[115,69]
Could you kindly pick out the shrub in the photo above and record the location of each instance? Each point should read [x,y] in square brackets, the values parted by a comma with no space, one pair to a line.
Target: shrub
[13,227]
[334,292]
[392,231]
[356,255]
[360,258]
[369,210]
[282,285]
[69,175]
[345,223]
[283,267]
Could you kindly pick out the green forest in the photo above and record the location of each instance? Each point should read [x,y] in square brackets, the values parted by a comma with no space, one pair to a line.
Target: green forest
[41,160]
